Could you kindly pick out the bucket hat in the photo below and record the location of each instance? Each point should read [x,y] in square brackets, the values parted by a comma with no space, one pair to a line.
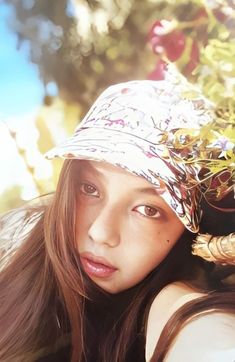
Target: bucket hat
[145,127]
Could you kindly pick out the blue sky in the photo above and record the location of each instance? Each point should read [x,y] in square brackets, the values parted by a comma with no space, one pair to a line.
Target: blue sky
[20,87]
[21,94]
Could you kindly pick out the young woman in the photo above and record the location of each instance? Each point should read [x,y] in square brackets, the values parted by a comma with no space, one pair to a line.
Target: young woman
[102,270]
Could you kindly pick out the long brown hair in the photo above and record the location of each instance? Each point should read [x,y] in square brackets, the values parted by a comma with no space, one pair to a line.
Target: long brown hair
[41,286]
[43,292]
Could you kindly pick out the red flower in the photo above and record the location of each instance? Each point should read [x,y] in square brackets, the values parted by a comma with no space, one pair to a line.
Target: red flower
[158,72]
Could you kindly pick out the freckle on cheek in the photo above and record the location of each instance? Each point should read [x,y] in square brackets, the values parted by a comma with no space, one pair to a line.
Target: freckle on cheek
[167,240]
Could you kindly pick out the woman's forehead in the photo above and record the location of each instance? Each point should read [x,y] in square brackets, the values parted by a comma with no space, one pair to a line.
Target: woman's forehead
[106,170]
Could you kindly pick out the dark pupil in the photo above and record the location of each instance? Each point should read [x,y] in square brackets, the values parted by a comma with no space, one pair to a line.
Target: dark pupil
[150,211]
[89,189]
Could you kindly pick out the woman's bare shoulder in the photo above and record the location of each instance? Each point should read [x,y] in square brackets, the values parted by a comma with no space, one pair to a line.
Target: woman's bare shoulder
[165,304]
[206,338]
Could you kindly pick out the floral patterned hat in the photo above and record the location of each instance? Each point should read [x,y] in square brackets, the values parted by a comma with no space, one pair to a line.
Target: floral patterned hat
[153,129]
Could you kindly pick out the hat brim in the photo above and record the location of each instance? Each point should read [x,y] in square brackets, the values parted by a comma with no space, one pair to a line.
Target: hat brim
[136,155]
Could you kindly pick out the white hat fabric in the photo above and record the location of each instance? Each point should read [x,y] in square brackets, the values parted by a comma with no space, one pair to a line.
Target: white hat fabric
[134,125]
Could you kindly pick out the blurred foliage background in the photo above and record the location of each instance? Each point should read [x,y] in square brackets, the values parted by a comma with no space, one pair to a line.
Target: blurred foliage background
[80,47]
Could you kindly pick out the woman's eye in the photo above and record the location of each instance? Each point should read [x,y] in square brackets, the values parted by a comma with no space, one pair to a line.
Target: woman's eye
[148,211]
[89,190]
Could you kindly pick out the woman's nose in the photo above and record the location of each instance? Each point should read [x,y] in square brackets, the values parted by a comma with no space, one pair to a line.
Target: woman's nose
[105,228]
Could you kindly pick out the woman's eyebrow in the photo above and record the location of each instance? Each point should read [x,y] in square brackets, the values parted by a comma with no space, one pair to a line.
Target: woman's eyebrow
[89,170]
[151,190]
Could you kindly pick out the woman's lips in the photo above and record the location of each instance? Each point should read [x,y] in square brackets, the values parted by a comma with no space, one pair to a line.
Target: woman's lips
[96,266]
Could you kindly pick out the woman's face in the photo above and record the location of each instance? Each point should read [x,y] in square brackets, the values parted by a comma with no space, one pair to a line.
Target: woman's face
[124,228]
